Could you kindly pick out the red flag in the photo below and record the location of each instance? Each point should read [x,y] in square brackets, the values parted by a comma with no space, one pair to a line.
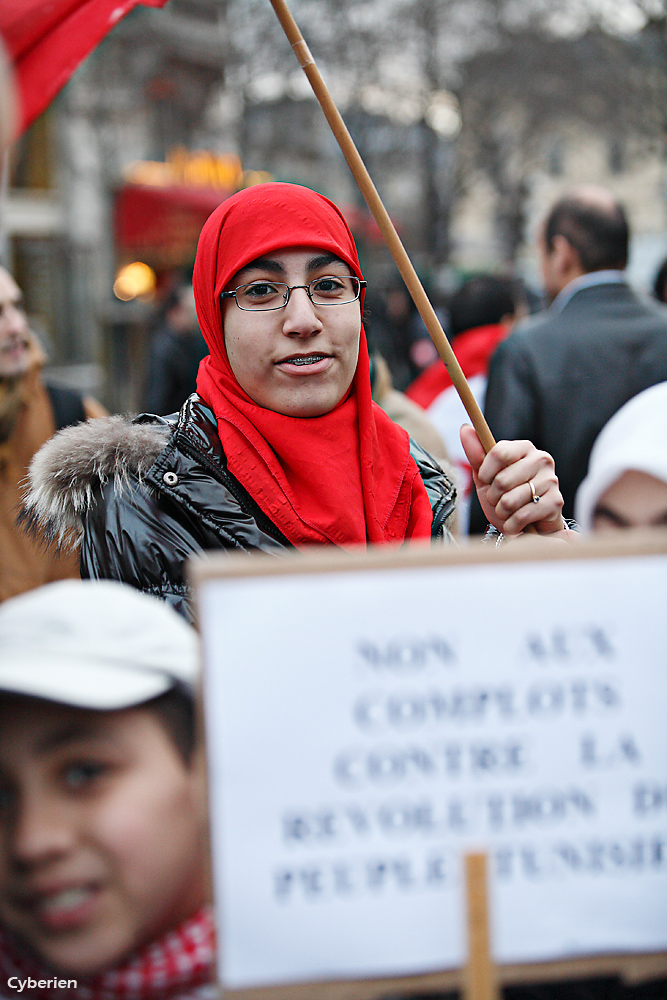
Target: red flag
[48,39]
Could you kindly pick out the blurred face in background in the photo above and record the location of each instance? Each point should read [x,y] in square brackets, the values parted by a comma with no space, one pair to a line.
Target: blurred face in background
[183,315]
[14,333]
[634,500]
[554,266]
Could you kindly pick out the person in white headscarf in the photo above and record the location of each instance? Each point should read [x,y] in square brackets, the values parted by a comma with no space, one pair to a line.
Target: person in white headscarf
[626,484]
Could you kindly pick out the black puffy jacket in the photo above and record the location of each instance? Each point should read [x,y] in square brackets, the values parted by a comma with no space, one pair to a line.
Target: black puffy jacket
[142,496]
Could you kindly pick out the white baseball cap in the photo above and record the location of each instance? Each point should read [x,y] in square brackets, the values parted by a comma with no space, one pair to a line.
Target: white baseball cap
[94,644]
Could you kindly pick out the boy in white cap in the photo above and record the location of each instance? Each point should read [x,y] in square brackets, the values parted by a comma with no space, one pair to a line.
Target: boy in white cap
[103,875]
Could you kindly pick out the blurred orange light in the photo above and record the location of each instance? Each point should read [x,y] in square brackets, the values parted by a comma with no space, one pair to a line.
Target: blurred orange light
[134,280]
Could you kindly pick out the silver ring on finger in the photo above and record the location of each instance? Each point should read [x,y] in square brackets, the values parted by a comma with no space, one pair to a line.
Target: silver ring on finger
[534,495]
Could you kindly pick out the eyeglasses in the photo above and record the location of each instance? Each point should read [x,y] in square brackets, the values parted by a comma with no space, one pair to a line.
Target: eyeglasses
[329,290]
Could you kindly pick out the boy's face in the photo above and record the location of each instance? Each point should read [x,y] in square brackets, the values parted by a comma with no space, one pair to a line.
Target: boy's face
[101,832]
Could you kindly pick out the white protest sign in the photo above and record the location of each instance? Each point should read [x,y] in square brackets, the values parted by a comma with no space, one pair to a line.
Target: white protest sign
[367,726]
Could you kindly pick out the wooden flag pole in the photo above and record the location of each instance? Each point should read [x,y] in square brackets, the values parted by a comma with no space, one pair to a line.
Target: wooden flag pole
[481,981]
[381,216]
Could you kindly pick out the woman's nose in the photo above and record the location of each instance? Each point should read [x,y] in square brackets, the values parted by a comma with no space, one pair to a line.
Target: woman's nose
[300,317]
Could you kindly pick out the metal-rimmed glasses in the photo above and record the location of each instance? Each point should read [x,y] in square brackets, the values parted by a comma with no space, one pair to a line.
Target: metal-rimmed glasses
[329,290]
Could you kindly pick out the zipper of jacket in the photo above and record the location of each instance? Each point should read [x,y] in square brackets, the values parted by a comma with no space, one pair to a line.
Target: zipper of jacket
[242,497]
[440,515]
[248,505]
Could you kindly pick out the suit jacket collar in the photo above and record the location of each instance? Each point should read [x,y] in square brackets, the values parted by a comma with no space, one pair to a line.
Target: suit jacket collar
[593,278]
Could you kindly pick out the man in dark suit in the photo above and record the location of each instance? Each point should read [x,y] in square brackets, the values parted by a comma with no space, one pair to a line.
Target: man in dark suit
[563,373]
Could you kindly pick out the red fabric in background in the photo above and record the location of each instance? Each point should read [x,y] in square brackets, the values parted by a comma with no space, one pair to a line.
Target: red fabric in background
[344,478]
[48,39]
[473,350]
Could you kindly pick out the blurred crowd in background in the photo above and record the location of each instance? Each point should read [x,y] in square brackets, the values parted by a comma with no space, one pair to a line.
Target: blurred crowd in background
[472,119]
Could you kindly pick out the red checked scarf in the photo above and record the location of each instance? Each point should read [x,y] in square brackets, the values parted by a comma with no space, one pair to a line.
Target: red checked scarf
[344,478]
[174,968]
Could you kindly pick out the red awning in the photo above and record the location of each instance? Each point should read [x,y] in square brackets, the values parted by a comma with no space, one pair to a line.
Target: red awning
[48,39]
[161,225]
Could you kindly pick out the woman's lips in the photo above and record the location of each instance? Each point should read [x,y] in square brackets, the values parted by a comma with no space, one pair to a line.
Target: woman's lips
[305,364]
[67,908]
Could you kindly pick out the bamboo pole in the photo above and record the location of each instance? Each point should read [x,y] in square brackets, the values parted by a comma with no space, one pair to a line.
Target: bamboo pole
[381,216]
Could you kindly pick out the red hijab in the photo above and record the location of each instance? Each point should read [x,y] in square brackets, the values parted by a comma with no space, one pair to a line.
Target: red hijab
[343,478]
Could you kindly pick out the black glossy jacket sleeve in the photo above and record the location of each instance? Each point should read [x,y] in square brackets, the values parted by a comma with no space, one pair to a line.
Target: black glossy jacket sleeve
[135,537]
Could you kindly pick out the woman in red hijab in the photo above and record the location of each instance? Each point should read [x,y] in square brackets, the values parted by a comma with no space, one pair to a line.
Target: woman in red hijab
[282,444]
[290,384]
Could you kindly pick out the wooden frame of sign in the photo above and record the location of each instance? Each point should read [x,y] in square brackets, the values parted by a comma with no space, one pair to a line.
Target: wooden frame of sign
[632,968]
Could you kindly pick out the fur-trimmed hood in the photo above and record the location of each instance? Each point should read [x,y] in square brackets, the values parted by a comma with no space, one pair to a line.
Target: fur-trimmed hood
[75,461]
